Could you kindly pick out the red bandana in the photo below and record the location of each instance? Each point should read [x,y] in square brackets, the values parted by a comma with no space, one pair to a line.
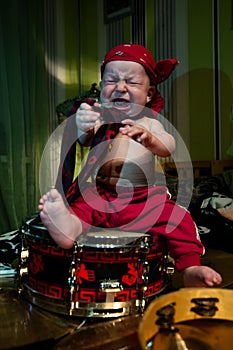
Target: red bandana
[157,71]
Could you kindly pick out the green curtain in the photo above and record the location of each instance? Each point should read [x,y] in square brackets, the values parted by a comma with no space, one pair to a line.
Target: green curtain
[24,119]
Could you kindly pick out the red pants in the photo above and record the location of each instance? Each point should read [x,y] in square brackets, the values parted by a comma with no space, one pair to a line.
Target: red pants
[142,209]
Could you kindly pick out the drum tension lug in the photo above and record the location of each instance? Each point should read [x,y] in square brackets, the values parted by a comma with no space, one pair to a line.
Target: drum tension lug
[72,281]
[169,267]
[22,269]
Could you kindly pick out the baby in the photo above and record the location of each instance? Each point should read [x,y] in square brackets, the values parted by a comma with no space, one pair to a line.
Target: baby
[123,194]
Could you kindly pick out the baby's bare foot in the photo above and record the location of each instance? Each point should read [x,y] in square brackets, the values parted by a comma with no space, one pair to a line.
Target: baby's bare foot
[201,276]
[63,226]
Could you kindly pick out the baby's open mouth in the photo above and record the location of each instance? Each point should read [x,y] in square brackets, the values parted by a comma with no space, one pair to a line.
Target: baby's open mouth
[120,103]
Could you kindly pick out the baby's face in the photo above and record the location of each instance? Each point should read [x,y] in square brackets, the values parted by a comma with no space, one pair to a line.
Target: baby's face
[125,83]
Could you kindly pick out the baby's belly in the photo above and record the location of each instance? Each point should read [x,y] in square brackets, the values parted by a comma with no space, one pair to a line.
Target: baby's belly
[126,163]
[122,173]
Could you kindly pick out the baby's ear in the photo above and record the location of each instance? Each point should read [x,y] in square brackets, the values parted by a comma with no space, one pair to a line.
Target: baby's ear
[150,93]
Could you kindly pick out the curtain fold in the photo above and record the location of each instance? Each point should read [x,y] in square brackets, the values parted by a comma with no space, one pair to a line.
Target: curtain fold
[24,117]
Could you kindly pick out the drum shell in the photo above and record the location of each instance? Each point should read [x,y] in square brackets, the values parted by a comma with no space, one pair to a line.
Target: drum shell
[78,279]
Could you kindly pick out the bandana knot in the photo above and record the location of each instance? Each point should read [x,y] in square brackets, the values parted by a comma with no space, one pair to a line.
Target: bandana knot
[156,71]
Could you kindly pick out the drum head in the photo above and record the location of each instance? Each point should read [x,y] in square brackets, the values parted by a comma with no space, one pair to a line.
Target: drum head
[111,238]
[34,230]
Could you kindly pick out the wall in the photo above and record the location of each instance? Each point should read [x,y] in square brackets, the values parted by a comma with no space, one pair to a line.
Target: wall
[81,46]
[201,93]
[196,109]
[226,76]
[210,124]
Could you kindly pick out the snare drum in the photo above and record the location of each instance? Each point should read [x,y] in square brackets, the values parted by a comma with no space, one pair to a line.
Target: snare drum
[107,273]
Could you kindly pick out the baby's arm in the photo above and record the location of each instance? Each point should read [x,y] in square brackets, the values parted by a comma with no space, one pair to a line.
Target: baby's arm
[158,140]
[86,120]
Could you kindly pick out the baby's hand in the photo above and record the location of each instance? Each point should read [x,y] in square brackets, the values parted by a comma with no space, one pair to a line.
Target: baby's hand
[86,117]
[136,132]
[201,276]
